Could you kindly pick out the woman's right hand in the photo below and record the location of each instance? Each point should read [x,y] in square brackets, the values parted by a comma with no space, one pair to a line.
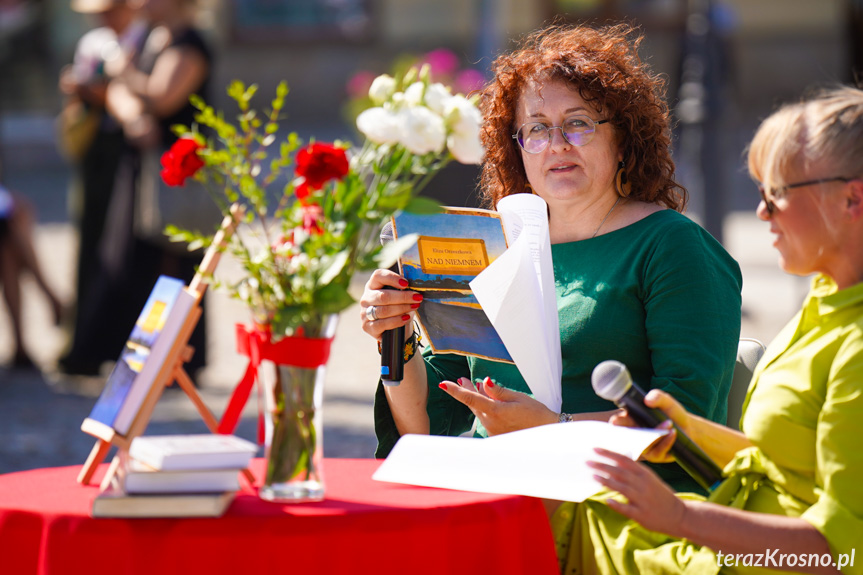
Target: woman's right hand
[659,451]
[392,307]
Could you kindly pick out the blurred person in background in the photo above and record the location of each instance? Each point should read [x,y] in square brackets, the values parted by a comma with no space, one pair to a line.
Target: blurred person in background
[147,95]
[92,140]
[17,256]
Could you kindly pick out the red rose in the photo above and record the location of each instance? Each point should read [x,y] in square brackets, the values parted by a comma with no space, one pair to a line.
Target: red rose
[302,192]
[181,161]
[320,163]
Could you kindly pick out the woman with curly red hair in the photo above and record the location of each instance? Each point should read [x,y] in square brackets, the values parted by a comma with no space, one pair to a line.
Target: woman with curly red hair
[577,118]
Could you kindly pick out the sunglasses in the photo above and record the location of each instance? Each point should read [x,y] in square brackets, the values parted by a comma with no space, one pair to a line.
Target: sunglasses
[770,195]
[534,137]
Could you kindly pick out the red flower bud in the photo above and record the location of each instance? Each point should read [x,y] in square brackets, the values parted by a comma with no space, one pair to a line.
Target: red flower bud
[320,163]
[312,216]
[181,161]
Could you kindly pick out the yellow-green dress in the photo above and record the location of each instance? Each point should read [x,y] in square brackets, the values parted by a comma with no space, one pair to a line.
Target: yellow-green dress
[804,416]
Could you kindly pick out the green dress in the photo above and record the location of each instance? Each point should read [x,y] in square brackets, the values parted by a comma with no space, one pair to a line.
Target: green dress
[660,295]
[804,415]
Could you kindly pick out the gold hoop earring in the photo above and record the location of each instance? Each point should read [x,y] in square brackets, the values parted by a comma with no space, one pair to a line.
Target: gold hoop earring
[621,181]
[528,188]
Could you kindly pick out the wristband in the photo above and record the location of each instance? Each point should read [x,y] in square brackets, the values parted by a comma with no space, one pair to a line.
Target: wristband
[564,418]
[412,344]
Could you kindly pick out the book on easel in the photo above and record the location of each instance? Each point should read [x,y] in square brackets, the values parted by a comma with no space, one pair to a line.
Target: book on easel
[153,359]
[152,337]
[117,502]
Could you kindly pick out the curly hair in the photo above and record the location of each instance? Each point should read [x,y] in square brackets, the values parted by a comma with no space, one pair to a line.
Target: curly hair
[604,66]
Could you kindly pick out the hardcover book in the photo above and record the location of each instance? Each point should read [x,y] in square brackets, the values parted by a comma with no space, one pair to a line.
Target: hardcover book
[453,247]
[137,477]
[139,364]
[488,284]
[194,451]
[116,502]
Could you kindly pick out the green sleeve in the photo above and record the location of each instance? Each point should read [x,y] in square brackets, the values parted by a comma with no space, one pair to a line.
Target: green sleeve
[838,513]
[692,305]
[446,415]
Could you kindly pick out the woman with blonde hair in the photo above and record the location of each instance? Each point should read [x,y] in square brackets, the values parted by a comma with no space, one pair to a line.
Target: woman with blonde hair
[791,499]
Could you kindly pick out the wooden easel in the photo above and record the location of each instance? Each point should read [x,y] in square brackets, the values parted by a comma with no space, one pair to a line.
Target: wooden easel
[170,371]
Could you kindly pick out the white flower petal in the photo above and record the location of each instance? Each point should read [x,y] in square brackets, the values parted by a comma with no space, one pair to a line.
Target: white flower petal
[461,114]
[414,94]
[423,131]
[382,88]
[436,96]
[466,147]
[379,125]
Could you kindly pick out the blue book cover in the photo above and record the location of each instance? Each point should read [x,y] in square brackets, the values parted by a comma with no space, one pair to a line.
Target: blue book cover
[453,247]
[138,347]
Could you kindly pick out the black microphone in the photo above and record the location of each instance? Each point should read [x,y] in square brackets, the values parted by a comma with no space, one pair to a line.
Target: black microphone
[611,381]
[392,340]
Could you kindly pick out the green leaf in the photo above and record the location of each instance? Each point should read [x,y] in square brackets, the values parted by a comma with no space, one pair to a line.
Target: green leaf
[391,251]
[423,206]
[332,298]
[335,268]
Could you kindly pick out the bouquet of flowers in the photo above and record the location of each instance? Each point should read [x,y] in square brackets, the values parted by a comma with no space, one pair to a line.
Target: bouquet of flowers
[299,256]
[300,245]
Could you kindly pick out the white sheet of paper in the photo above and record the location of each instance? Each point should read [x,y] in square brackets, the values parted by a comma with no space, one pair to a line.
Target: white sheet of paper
[517,294]
[533,216]
[547,461]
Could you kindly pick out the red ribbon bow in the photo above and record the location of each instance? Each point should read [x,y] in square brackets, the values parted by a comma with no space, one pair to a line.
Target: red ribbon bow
[256,344]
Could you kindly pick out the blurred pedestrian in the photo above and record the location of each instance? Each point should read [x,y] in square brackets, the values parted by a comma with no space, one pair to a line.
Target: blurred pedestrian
[17,255]
[147,95]
[93,141]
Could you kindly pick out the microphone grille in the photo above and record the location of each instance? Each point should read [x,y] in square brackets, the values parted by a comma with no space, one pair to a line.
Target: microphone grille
[387,235]
[610,380]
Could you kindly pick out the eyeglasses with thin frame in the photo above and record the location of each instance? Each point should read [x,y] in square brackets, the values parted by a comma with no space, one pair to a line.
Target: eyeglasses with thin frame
[771,195]
[534,137]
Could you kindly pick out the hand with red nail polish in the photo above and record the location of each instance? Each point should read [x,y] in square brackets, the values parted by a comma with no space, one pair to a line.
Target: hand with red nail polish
[386,304]
[499,409]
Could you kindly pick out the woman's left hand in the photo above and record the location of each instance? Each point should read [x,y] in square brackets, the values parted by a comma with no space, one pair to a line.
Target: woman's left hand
[650,501]
[500,410]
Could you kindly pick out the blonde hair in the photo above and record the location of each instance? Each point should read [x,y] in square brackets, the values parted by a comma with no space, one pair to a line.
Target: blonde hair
[826,127]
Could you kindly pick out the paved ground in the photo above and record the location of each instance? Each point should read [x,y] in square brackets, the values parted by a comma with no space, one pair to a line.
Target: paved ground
[40,414]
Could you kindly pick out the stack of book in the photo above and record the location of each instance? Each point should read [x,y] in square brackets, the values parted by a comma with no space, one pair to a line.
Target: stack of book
[175,476]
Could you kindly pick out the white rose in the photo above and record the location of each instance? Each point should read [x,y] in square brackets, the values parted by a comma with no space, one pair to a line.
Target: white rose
[414,94]
[423,131]
[466,147]
[379,125]
[436,96]
[461,114]
[382,88]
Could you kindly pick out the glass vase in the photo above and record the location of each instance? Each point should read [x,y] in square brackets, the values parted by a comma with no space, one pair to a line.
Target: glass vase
[294,425]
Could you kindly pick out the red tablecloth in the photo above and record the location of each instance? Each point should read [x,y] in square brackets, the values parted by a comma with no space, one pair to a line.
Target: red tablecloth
[363,526]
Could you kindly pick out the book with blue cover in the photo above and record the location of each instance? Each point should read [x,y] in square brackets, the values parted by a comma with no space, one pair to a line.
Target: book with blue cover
[452,248]
[139,363]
